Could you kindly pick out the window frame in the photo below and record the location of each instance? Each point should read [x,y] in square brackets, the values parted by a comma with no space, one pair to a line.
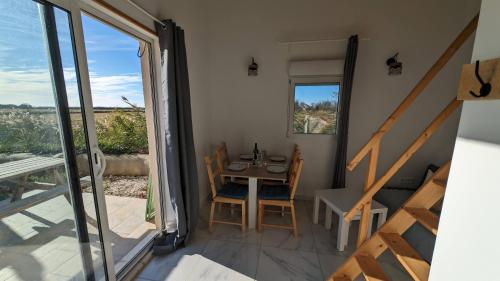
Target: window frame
[104,14]
[310,80]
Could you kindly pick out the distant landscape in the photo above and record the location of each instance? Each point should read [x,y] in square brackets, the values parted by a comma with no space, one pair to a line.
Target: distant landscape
[316,118]
[28,129]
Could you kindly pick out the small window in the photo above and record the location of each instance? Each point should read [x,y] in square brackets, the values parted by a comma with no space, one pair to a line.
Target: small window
[315,103]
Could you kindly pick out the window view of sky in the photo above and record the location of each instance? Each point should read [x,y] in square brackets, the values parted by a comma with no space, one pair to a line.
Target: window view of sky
[310,94]
[114,67]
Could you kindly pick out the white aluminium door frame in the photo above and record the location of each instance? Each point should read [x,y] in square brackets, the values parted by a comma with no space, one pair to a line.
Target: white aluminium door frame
[75,7]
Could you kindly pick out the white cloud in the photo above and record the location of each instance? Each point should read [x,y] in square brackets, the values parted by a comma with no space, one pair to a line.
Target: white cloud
[108,90]
[34,86]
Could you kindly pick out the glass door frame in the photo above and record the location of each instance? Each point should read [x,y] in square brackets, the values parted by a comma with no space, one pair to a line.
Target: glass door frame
[75,8]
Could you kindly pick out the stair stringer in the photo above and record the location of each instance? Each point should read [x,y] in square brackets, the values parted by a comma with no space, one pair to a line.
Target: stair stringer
[425,197]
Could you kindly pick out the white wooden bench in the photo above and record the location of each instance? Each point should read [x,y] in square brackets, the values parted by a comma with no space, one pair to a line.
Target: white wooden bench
[341,201]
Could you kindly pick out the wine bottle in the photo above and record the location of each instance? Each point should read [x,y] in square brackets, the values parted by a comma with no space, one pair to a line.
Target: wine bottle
[255,153]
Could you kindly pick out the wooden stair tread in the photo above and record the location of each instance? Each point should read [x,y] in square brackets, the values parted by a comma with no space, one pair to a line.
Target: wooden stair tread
[440,182]
[407,256]
[425,217]
[371,268]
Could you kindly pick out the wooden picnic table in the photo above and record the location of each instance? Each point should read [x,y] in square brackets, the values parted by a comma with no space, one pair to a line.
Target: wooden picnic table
[18,172]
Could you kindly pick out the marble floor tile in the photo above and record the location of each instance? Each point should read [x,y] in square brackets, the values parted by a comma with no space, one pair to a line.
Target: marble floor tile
[325,240]
[274,254]
[279,264]
[284,239]
[241,257]
[197,267]
[160,267]
[233,233]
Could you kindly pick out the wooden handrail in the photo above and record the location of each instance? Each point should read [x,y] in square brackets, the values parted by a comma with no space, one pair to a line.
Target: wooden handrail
[415,92]
[426,134]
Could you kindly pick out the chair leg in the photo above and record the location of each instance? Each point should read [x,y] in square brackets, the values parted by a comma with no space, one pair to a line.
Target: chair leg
[243,216]
[260,215]
[294,222]
[219,207]
[211,220]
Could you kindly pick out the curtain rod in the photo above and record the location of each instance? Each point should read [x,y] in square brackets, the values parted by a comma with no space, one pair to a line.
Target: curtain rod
[320,40]
[146,12]
[123,15]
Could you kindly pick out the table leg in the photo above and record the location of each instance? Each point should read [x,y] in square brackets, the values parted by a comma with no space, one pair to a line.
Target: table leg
[382,217]
[343,233]
[328,217]
[252,202]
[316,209]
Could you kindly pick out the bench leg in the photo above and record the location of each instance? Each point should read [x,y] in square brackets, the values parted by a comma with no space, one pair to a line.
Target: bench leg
[328,218]
[343,233]
[316,210]
[18,193]
[370,223]
[382,217]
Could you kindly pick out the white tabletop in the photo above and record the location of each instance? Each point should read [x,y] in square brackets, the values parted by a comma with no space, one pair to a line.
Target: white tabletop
[344,199]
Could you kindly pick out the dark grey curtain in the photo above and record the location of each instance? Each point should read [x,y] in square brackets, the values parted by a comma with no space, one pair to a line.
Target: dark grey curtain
[343,119]
[181,161]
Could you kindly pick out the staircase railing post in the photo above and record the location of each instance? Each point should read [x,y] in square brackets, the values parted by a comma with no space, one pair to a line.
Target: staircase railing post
[370,180]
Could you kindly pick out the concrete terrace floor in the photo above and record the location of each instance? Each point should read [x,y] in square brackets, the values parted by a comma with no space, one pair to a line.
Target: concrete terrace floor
[273,255]
[40,242]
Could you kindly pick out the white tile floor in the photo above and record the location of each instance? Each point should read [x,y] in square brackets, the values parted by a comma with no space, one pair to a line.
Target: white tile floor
[274,254]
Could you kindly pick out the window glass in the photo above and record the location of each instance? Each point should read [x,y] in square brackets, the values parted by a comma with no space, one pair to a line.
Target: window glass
[315,108]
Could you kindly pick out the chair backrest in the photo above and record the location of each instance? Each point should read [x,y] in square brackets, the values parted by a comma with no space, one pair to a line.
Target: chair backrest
[213,172]
[295,157]
[221,160]
[295,177]
[225,154]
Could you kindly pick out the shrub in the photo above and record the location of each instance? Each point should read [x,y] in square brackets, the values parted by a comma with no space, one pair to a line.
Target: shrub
[123,132]
[32,131]
[23,131]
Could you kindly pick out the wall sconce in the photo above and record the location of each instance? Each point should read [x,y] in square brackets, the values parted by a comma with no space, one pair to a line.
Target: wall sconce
[252,68]
[395,67]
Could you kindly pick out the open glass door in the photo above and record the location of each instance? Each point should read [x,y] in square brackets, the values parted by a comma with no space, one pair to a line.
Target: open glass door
[125,130]
[49,222]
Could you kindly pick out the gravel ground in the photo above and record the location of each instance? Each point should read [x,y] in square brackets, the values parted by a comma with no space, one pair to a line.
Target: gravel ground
[125,186]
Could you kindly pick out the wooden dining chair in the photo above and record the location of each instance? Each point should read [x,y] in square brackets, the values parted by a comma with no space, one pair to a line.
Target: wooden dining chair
[223,161]
[229,192]
[295,157]
[280,196]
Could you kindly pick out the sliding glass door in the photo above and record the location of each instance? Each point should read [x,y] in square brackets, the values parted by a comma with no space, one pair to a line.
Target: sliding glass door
[79,174]
[123,116]
[49,222]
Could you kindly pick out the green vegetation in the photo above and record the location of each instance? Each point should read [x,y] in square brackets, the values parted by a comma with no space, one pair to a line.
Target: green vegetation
[32,130]
[318,118]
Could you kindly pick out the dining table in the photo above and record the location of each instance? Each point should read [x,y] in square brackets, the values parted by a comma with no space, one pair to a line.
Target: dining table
[254,173]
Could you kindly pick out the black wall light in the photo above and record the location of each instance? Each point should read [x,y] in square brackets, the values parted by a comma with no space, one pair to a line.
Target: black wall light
[395,67]
[253,68]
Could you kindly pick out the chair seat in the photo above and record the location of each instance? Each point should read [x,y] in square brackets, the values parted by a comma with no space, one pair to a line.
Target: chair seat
[233,190]
[274,192]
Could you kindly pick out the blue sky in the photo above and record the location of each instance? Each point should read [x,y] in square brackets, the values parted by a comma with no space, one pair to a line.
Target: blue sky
[114,67]
[310,94]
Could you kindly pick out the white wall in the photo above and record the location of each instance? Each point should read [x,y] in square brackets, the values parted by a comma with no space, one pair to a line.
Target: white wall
[247,109]
[221,36]
[467,242]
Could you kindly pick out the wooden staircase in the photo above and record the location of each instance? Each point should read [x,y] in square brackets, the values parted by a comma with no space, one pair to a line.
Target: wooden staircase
[417,208]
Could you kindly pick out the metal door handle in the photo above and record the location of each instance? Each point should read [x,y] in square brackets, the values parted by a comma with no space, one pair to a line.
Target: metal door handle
[102,162]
